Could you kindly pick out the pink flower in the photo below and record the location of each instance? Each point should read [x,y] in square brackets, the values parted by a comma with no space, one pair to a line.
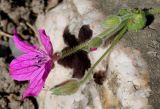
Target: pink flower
[34,65]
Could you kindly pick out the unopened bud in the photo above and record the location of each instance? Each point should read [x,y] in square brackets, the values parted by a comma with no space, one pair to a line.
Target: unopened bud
[137,21]
[66,88]
[95,42]
[124,11]
[111,21]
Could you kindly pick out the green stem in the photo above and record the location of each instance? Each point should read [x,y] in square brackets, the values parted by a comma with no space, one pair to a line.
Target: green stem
[115,41]
[104,35]
[153,11]
[108,33]
[73,50]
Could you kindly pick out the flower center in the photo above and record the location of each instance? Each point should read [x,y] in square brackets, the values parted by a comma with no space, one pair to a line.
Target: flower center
[41,59]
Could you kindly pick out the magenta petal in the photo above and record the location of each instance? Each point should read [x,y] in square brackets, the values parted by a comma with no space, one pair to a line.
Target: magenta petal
[46,41]
[34,65]
[23,46]
[24,60]
[93,49]
[36,83]
[23,67]
[24,74]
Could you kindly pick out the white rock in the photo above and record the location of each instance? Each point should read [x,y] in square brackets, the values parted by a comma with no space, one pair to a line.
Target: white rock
[126,86]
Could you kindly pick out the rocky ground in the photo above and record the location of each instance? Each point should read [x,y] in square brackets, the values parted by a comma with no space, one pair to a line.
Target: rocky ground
[18,13]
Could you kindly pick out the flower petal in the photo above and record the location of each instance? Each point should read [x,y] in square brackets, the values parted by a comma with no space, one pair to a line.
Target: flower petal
[36,83]
[46,41]
[24,67]
[23,46]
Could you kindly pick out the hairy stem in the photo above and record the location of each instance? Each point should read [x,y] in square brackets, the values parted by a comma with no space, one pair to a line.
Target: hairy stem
[104,35]
[115,41]
[73,50]
[108,33]
[153,11]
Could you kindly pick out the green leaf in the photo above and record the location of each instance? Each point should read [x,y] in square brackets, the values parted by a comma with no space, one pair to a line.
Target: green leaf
[66,88]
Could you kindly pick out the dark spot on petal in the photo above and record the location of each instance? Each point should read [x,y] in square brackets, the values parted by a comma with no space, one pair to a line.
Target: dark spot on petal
[100,77]
[85,33]
[39,61]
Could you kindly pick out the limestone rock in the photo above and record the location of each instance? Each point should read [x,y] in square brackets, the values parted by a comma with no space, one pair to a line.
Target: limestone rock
[126,85]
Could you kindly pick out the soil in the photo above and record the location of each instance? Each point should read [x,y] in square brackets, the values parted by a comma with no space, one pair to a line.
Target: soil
[17,15]
[14,14]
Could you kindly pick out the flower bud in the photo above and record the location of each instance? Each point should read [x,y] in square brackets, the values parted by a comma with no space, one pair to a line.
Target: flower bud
[124,11]
[137,21]
[95,42]
[66,88]
[111,21]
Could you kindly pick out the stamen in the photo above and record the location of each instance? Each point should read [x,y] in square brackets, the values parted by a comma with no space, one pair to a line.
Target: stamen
[40,60]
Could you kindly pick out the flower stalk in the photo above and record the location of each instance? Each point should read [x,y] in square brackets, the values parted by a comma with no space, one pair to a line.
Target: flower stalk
[102,36]
[127,19]
[71,86]
[115,41]
[153,11]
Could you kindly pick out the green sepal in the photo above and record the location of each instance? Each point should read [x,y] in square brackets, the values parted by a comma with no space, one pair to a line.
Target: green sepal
[66,88]
[137,21]
[111,21]
[86,49]
[95,42]
[124,11]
